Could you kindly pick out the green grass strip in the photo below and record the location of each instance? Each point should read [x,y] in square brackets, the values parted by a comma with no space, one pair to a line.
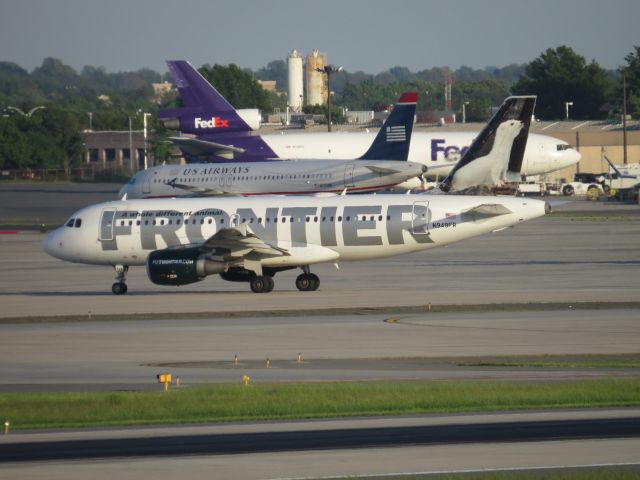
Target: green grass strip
[225,402]
[630,363]
[608,473]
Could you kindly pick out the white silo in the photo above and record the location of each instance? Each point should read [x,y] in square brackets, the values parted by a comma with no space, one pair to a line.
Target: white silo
[316,81]
[296,84]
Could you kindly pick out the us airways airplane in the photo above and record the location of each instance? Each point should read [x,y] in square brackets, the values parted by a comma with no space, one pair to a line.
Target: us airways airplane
[220,133]
[183,240]
[383,166]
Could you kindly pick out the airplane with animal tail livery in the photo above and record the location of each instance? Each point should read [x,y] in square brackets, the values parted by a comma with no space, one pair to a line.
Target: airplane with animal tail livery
[251,239]
[384,165]
[230,138]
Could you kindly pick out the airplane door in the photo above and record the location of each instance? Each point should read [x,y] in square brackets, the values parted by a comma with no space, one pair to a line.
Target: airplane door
[348,175]
[229,179]
[420,218]
[106,223]
[146,184]
[235,220]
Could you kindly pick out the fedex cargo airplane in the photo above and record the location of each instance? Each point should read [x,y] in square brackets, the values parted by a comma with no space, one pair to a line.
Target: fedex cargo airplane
[383,166]
[214,131]
[251,239]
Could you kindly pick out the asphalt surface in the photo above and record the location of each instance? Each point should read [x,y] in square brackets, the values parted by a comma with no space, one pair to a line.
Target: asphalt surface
[323,439]
[127,355]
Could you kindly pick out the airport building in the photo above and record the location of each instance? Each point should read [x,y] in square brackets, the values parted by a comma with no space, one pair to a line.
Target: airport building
[117,149]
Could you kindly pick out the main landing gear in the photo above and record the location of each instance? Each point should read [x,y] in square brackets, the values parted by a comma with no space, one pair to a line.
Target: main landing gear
[120,287]
[307,281]
[261,283]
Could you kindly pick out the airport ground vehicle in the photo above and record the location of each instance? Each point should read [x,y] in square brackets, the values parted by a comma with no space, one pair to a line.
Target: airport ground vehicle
[591,184]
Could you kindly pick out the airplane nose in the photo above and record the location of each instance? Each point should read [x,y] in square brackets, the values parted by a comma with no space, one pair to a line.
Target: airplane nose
[52,243]
[570,157]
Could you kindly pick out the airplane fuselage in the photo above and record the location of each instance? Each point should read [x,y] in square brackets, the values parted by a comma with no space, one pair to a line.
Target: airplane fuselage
[308,229]
[437,150]
[273,177]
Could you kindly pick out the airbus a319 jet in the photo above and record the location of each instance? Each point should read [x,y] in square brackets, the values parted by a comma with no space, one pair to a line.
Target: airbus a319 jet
[251,239]
[383,166]
[214,131]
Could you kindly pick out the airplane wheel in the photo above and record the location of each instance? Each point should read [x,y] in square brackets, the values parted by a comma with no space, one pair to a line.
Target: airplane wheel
[261,284]
[270,283]
[119,288]
[307,282]
[315,281]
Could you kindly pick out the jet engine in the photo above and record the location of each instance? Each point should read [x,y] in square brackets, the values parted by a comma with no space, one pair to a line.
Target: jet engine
[181,266]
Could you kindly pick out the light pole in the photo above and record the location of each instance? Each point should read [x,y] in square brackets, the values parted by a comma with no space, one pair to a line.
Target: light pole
[144,122]
[624,114]
[464,112]
[90,120]
[328,70]
[566,109]
[131,156]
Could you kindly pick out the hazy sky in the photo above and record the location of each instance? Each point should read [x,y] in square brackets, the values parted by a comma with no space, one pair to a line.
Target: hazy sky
[368,35]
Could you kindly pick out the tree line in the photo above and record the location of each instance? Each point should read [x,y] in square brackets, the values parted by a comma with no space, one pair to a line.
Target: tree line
[73,101]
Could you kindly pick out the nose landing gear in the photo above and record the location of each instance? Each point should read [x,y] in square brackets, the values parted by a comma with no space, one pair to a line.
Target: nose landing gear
[120,287]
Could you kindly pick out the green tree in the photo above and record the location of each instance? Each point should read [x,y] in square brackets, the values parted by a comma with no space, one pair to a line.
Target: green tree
[239,87]
[632,73]
[560,75]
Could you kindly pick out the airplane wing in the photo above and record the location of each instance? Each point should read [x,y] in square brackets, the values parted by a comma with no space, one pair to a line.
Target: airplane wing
[204,148]
[240,241]
[200,191]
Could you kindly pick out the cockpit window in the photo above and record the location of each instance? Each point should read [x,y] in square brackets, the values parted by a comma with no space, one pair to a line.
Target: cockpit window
[563,146]
[70,222]
[78,222]
[133,180]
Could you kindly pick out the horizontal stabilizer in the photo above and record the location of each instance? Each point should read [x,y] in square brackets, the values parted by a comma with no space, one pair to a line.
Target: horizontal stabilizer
[488,210]
[382,170]
[204,148]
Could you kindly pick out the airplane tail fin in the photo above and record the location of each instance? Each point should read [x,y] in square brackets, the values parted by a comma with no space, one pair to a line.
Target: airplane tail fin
[205,109]
[394,138]
[496,155]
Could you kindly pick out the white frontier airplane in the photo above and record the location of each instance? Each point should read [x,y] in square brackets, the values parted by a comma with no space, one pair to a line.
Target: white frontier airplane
[223,133]
[183,240]
[383,166]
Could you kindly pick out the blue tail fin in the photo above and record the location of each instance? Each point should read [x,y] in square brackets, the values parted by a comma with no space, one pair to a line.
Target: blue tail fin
[394,138]
[205,110]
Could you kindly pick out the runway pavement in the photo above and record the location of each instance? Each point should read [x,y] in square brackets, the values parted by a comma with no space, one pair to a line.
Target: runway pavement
[108,355]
